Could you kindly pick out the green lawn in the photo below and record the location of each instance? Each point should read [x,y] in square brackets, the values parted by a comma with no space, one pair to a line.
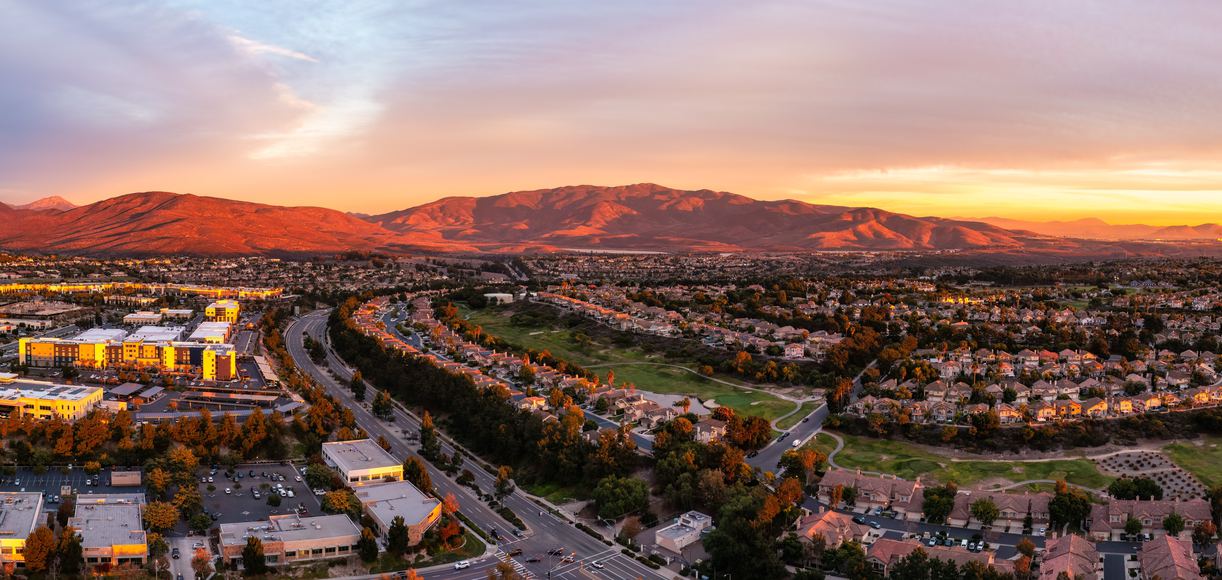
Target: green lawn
[657,379]
[1204,461]
[909,462]
[793,419]
[556,493]
[471,548]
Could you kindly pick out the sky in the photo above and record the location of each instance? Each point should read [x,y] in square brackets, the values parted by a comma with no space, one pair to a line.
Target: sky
[1052,109]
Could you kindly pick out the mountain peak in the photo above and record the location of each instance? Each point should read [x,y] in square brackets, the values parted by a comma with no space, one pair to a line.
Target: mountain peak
[648,216]
[53,202]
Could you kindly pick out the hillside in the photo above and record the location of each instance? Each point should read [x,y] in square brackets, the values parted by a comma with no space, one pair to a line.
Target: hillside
[653,217]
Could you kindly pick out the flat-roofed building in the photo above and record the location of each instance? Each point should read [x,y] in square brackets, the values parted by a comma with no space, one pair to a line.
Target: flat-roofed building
[684,532]
[45,400]
[142,317]
[111,530]
[223,311]
[384,501]
[361,462]
[156,334]
[20,513]
[290,538]
[177,313]
[211,332]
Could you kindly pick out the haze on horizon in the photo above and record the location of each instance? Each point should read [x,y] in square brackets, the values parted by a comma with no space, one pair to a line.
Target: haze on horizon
[1039,110]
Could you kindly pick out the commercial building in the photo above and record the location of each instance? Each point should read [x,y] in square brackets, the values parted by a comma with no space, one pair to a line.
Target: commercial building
[361,462]
[111,530]
[290,538]
[20,513]
[156,334]
[142,317]
[177,313]
[385,501]
[684,532]
[223,311]
[211,332]
[45,400]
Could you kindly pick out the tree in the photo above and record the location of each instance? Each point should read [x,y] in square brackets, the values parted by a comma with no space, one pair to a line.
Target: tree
[382,406]
[416,472]
[504,481]
[1135,488]
[1173,524]
[367,546]
[985,511]
[1069,506]
[1132,526]
[396,537]
[160,515]
[39,549]
[939,501]
[341,501]
[1204,532]
[70,553]
[1025,547]
[619,496]
[430,446]
[200,522]
[201,563]
[253,560]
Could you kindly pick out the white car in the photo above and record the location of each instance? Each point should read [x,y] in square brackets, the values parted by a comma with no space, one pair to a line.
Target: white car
[597,565]
[463,565]
[228,491]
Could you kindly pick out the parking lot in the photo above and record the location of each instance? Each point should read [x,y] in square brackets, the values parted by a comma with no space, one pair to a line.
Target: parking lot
[241,505]
[52,482]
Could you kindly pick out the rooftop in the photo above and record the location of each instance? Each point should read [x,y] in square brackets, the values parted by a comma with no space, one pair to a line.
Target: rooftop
[157,333]
[101,335]
[358,454]
[400,498]
[39,390]
[289,528]
[216,331]
[108,520]
[19,513]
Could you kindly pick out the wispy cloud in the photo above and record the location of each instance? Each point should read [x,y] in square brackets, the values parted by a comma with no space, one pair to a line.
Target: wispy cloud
[259,48]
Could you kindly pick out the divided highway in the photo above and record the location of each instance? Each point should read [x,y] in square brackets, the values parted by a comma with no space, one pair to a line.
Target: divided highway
[545,531]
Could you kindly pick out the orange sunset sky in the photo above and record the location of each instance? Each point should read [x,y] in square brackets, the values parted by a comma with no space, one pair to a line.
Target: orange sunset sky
[1033,110]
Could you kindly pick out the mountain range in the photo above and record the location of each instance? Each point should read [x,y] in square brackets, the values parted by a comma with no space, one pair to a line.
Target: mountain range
[585,217]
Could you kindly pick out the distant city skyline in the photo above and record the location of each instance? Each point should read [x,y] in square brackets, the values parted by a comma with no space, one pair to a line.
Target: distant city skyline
[1039,111]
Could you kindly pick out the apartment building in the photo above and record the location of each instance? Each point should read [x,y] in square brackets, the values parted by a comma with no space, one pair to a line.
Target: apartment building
[160,347]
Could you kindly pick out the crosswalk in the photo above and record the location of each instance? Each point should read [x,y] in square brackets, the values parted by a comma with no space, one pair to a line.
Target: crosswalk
[518,567]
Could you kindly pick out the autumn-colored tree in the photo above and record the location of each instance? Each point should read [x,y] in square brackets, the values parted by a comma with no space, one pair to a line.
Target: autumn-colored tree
[450,503]
[39,549]
[160,515]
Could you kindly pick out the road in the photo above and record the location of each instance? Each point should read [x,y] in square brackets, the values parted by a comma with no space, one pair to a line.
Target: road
[545,530]
[770,456]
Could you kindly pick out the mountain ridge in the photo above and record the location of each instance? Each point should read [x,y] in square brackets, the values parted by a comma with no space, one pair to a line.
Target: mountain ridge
[638,217]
